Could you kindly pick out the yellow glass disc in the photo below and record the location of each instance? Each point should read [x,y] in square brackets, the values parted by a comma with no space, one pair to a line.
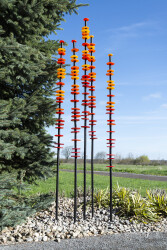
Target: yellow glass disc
[85,27]
[86,31]
[61,49]
[60,91]
[91,47]
[74,56]
[110,70]
[85,37]
[110,102]
[110,81]
[85,65]
[75,77]
[60,76]
[59,94]
[61,69]
[110,88]
[110,106]
[75,85]
[74,70]
[61,73]
[85,51]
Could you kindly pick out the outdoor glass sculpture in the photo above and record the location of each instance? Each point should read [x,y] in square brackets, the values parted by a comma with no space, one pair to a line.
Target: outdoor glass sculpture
[92,105]
[61,72]
[111,122]
[88,80]
[75,118]
[85,102]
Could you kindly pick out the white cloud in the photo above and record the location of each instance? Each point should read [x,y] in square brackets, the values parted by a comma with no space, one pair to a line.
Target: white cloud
[117,101]
[119,94]
[128,28]
[164,106]
[135,29]
[156,95]
[102,103]
[136,118]
[132,120]
[122,83]
[140,82]
[132,27]
[152,96]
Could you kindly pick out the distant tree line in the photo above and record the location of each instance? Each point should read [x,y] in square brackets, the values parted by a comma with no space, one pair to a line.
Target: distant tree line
[140,160]
[101,157]
[131,160]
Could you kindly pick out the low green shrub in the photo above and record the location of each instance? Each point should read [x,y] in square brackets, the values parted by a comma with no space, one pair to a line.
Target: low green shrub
[102,198]
[158,200]
[131,204]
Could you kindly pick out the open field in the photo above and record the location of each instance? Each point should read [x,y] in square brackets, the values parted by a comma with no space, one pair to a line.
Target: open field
[100,182]
[153,170]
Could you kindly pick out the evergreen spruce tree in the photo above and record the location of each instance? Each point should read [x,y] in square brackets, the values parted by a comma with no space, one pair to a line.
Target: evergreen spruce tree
[15,206]
[27,80]
[27,83]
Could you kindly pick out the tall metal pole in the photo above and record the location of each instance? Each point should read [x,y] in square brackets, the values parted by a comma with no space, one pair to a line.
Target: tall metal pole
[85,102]
[92,105]
[59,122]
[75,117]
[111,122]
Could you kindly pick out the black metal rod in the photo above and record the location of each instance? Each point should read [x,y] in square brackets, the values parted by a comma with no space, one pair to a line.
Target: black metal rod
[75,158]
[58,163]
[85,138]
[58,156]
[92,173]
[57,181]
[92,144]
[110,151]
[75,183]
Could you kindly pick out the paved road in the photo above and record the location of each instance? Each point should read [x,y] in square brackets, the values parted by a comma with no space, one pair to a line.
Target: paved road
[124,241]
[125,175]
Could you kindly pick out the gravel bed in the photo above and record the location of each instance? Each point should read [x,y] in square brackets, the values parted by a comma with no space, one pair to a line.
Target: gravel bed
[43,227]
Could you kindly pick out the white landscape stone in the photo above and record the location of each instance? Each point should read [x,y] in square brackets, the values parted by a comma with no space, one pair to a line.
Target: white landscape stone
[43,226]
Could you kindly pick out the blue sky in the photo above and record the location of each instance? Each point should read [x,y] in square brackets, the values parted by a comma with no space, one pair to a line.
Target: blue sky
[136,33]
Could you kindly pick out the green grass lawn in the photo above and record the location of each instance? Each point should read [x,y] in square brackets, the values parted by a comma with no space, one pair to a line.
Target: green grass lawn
[101,182]
[152,170]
